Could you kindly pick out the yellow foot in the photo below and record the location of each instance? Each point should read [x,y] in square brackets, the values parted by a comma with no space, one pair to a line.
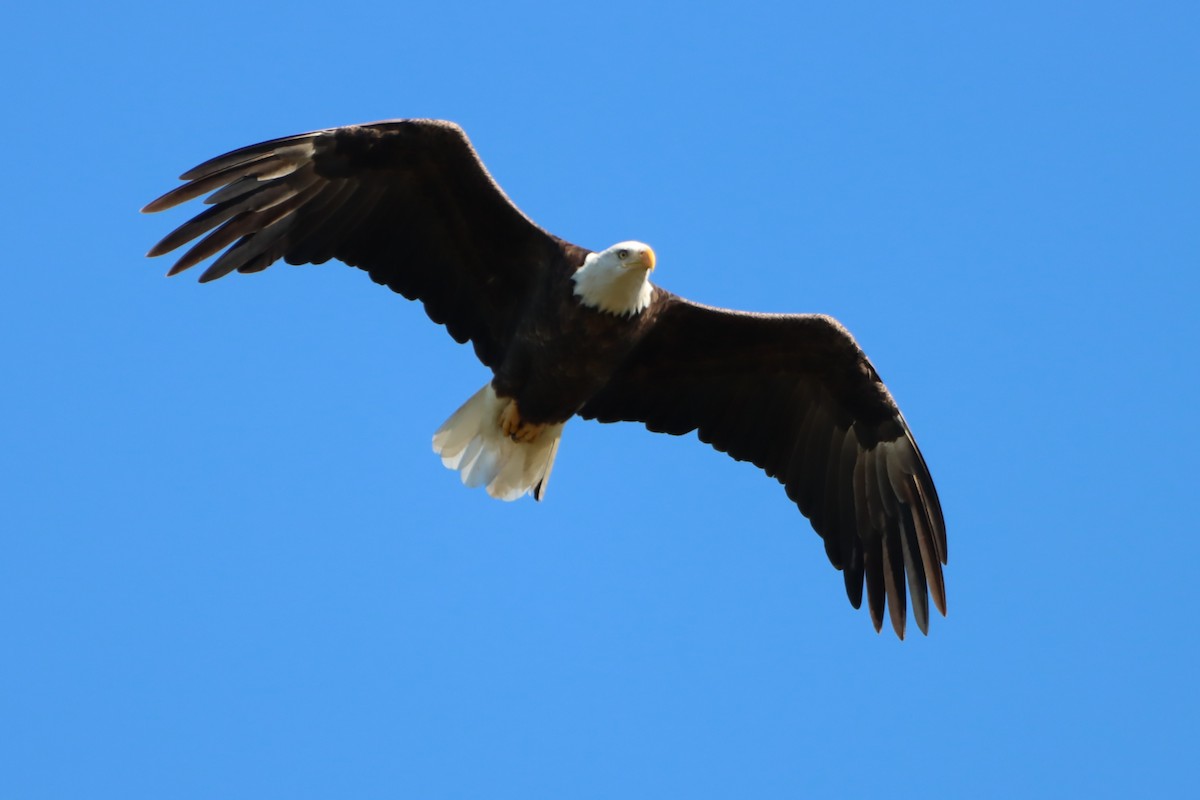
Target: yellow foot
[515,428]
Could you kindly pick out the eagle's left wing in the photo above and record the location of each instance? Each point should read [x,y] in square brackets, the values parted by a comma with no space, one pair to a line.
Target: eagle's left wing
[796,396]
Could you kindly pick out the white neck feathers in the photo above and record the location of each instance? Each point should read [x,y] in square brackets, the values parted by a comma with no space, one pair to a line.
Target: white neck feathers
[602,284]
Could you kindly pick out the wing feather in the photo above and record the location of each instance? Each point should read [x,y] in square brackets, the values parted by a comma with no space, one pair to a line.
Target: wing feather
[849,543]
[914,569]
[893,579]
[269,227]
[791,411]
[812,455]
[829,517]
[796,448]
[210,181]
[202,223]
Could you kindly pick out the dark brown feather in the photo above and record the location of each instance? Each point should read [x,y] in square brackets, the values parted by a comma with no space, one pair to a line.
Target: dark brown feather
[210,182]
[830,514]
[848,537]
[893,579]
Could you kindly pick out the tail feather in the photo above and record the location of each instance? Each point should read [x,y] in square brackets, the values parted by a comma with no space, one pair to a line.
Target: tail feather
[540,489]
[479,464]
[471,442]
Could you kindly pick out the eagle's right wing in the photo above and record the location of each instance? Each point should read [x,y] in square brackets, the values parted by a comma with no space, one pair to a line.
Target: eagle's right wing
[408,201]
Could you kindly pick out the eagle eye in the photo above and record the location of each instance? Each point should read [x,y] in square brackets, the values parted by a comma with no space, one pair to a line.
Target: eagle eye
[622,254]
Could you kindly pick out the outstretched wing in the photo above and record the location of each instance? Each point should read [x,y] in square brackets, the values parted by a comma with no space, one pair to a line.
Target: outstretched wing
[796,396]
[408,201]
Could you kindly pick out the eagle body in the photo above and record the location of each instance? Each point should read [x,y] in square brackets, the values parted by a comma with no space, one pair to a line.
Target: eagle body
[567,331]
[563,352]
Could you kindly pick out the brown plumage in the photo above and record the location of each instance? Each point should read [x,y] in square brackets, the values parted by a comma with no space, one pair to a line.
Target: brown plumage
[410,203]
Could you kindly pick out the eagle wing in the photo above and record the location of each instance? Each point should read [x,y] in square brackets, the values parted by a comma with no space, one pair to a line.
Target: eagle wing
[408,201]
[795,395]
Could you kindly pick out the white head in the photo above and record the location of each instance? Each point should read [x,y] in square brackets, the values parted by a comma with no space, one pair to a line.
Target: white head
[617,280]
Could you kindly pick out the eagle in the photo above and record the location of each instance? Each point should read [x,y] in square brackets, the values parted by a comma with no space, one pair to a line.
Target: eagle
[567,331]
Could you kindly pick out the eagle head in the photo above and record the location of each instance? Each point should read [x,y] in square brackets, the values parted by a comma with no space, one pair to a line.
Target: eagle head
[616,280]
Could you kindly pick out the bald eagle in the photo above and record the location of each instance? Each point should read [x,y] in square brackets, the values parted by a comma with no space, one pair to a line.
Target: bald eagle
[567,331]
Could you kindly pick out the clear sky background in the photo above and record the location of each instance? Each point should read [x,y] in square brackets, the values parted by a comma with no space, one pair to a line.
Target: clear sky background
[232,567]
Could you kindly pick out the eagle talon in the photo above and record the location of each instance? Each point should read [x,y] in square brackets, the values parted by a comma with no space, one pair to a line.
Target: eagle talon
[515,428]
[509,420]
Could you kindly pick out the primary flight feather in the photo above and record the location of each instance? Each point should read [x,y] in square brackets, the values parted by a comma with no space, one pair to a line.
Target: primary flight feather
[568,331]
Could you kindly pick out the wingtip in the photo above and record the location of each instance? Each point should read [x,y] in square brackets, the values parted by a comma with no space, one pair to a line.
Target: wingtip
[175,270]
[161,203]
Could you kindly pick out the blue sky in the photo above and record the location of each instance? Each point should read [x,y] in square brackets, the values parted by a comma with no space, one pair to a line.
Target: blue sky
[232,567]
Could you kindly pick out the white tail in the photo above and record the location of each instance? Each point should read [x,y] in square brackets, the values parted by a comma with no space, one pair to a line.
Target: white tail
[472,443]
